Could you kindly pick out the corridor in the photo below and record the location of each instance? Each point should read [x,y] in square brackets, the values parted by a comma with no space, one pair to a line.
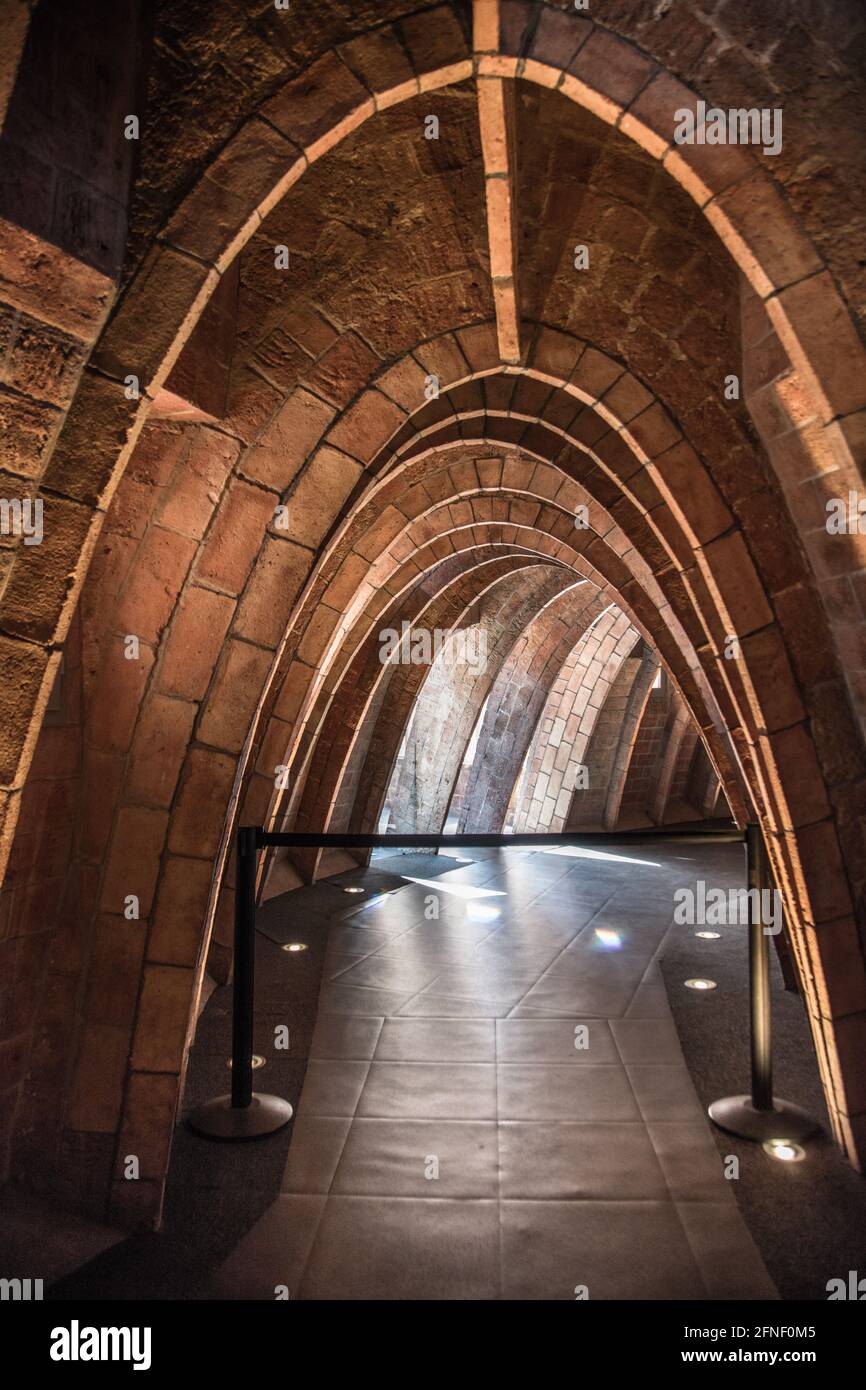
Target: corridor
[415,418]
[496,1104]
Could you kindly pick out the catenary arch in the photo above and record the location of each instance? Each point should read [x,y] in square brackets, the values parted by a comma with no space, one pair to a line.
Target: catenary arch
[187,873]
[470,536]
[374,778]
[517,700]
[109,401]
[159,309]
[528,663]
[196,758]
[179,838]
[578,694]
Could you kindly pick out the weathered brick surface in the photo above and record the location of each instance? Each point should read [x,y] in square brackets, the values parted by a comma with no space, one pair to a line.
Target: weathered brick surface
[388,256]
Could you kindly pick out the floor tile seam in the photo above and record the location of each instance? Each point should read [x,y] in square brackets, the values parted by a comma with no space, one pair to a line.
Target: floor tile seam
[672,1199]
[548,968]
[563,1200]
[418,992]
[327,1195]
[699,1263]
[458,1062]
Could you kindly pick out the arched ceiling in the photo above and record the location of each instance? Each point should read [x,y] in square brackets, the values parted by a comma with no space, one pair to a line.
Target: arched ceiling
[411,259]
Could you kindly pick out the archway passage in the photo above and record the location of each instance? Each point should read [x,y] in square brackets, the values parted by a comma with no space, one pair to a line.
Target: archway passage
[438,332]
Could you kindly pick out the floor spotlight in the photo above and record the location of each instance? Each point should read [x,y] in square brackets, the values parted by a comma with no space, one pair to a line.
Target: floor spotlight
[709,935]
[294,946]
[353,890]
[258,1061]
[785,1150]
[700,984]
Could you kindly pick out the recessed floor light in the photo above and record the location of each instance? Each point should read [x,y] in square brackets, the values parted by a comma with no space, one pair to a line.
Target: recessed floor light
[785,1150]
[295,946]
[353,890]
[700,984]
[258,1061]
[709,935]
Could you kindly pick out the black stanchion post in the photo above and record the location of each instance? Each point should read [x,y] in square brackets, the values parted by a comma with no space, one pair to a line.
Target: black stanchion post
[760,1116]
[759,976]
[243,1114]
[243,996]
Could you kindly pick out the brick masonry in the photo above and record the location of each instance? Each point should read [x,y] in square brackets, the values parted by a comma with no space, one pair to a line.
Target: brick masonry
[256,639]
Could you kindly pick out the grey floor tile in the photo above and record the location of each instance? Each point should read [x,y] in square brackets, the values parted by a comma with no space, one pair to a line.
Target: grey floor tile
[412,948]
[353,941]
[402,1248]
[501,986]
[579,1162]
[344,999]
[554,1040]
[437,1040]
[419,1158]
[332,1087]
[380,972]
[727,1256]
[338,962]
[429,1090]
[345,1036]
[640,1038]
[616,1250]
[546,1091]
[664,1092]
[314,1152]
[452,931]
[442,1006]
[692,1164]
[650,1000]
[570,998]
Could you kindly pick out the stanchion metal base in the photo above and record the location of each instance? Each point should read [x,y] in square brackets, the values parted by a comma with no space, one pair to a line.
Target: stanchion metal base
[737,1115]
[219,1119]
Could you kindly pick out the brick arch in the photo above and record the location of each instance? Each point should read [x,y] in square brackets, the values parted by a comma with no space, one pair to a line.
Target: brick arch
[627,752]
[171,289]
[682,752]
[542,799]
[609,751]
[357,739]
[526,535]
[271,151]
[594,542]
[514,709]
[451,698]
[719,612]
[388,520]
[185,910]
[676,725]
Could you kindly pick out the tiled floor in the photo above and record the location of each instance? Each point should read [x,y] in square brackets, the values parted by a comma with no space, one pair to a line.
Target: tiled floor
[496,1104]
